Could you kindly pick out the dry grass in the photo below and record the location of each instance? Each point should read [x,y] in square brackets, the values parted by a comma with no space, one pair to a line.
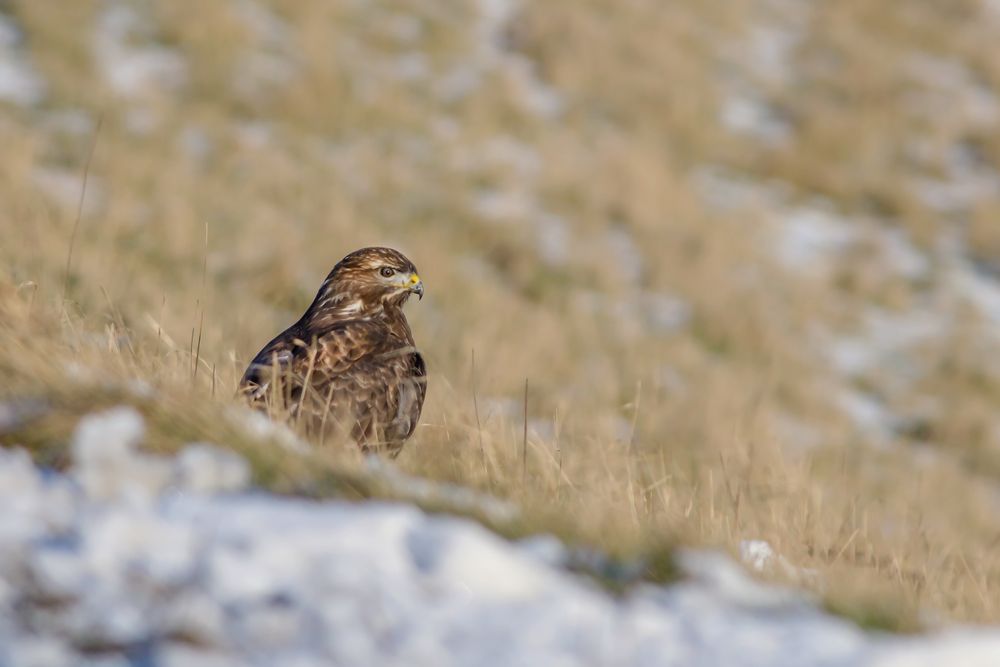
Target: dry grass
[213,214]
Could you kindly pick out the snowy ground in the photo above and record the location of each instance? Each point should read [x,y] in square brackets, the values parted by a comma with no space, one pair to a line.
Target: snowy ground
[131,559]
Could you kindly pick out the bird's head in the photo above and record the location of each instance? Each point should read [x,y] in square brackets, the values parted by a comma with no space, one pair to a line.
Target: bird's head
[371,277]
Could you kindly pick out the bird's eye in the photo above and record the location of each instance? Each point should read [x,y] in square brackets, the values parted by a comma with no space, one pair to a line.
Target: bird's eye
[386,272]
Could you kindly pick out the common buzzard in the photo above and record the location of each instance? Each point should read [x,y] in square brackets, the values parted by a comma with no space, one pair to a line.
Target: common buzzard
[348,367]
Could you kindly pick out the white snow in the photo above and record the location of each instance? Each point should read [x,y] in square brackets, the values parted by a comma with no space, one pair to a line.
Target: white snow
[950,87]
[868,414]
[665,313]
[625,252]
[490,55]
[206,572]
[888,343]
[204,467]
[812,237]
[63,187]
[106,466]
[888,349]
[257,425]
[887,353]
[963,281]
[758,554]
[761,62]
[273,59]
[962,649]
[504,206]
[131,63]
[967,179]
[20,83]
[750,114]
[553,240]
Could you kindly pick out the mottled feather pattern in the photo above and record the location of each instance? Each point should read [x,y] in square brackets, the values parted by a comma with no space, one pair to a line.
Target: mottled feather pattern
[349,367]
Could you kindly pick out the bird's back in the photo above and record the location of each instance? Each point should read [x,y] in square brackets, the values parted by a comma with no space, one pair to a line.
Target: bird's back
[362,378]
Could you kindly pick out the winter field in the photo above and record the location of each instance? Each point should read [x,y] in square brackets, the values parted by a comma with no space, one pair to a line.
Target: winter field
[746,257]
[136,559]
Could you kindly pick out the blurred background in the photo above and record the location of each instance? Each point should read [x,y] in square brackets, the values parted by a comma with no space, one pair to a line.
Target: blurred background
[746,255]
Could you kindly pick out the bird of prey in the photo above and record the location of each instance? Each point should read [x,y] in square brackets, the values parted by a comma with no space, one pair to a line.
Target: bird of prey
[348,368]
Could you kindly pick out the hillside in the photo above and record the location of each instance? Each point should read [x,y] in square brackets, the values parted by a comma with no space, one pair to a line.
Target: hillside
[746,258]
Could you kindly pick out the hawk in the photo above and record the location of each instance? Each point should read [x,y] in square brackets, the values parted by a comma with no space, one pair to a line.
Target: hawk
[349,367]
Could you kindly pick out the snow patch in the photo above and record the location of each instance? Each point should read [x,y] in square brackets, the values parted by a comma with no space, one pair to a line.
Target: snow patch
[749,114]
[273,60]
[200,575]
[967,179]
[131,65]
[64,187]
[625,253]
[204,468]
[20,83]
[813,240]
[553,240]
[758,554]
[257,425]
[810,237]
[760,63]
[950,87]
[868,414]
[490,56]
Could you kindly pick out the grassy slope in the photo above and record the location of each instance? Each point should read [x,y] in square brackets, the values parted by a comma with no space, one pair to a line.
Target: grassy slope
[639,436]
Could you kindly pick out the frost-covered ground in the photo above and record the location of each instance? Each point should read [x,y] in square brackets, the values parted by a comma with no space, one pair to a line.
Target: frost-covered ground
[131,559]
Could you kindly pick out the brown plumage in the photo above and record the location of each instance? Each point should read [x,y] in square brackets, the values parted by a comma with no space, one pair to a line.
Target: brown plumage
[349,367]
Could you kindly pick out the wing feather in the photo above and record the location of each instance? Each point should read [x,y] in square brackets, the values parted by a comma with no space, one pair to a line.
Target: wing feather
[354,376]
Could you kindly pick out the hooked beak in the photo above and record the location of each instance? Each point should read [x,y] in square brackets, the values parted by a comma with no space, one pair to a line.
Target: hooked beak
[417,286]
